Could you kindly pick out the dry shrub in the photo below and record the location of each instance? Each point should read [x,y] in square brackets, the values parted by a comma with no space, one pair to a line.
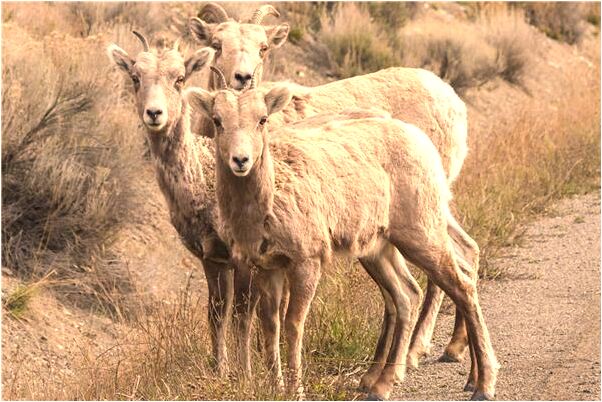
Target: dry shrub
[357,44]
[467,55]
[508,33]
[563,21]
[68,158]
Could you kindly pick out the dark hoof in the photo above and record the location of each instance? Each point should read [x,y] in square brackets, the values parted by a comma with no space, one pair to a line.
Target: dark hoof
[481,396]
[373,397]
[447,358]
[469,387]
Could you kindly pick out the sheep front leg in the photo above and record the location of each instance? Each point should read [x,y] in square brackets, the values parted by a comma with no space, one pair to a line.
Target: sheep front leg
[245,302]
[303,281]
[220,285]
[270,284]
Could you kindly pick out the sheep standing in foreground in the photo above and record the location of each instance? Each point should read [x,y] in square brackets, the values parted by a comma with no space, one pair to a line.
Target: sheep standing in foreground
[415,96]
[185,174]
[184,165]
[353,186]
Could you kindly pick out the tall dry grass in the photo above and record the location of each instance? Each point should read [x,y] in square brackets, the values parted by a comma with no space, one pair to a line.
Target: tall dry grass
[68,165]
[71,152]
[365,39]
[541,154]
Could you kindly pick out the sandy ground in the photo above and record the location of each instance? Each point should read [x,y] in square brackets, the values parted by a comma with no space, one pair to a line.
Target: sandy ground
[544,319]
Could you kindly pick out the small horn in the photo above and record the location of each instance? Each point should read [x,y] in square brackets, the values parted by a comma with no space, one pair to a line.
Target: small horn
[253,82]
[261,12]
[213,13]
[143,40]
[176,45]
[220,75]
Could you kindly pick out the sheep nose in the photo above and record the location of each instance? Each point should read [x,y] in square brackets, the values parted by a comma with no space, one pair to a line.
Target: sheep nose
[240,162]
[154,113]
[242,77]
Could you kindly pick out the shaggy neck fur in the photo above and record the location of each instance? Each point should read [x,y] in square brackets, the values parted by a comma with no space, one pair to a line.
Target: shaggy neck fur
[246,203]
[182,169]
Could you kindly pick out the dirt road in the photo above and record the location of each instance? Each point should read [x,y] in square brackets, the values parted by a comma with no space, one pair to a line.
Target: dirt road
[544,319]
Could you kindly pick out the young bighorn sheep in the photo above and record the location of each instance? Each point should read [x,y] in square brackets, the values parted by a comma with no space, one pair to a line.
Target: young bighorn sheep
[413,95]
[240,46]
[354,186]
[184,166]
[420,98]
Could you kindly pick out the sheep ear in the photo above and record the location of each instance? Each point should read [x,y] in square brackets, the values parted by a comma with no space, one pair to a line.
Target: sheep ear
[198,60]
[120,58]
[201,30]
[200,100]
[277,35]
[277,99]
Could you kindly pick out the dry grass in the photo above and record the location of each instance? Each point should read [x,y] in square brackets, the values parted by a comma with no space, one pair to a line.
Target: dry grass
[563,21]
[364,39]
[468,55]
[70,156]
[67,163]
[541,154]
[358,44]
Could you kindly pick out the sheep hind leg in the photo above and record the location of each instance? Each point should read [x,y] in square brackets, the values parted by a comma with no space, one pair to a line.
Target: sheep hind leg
[386,333]
[467,256]
[439,262]
[396,279]
[421,338]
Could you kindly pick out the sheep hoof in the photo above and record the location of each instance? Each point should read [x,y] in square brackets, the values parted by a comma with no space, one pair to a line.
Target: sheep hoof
[470,387]
[374,397]
[449,358]
[482,396]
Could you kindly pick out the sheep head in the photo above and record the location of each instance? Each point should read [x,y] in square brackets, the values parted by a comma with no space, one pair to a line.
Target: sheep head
[158,77]
[239,46]
[240,119]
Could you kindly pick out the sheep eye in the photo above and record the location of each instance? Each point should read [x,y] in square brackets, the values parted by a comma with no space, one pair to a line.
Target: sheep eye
[263,120]
[216,46]
[136,81]
[179,82]
[263,50]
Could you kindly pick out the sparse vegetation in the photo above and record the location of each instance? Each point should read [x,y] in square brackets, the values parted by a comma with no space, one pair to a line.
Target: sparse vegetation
[66,164]
[466,56]
[71,161]
[563,21]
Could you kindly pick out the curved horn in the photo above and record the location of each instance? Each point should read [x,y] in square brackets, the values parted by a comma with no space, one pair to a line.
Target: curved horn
[143,40]
[261,12]
[254,78]
[213,13]
[220,75]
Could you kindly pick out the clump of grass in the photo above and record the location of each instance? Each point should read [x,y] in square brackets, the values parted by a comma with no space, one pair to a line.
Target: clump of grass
[508,33]
[562,21]
[592,14]
[468,55]
[357,44]
[18,301]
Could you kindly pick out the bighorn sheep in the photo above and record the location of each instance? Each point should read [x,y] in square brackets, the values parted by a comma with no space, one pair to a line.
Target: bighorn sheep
[240,46]
[184,165]
[415,96]
[356,186]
